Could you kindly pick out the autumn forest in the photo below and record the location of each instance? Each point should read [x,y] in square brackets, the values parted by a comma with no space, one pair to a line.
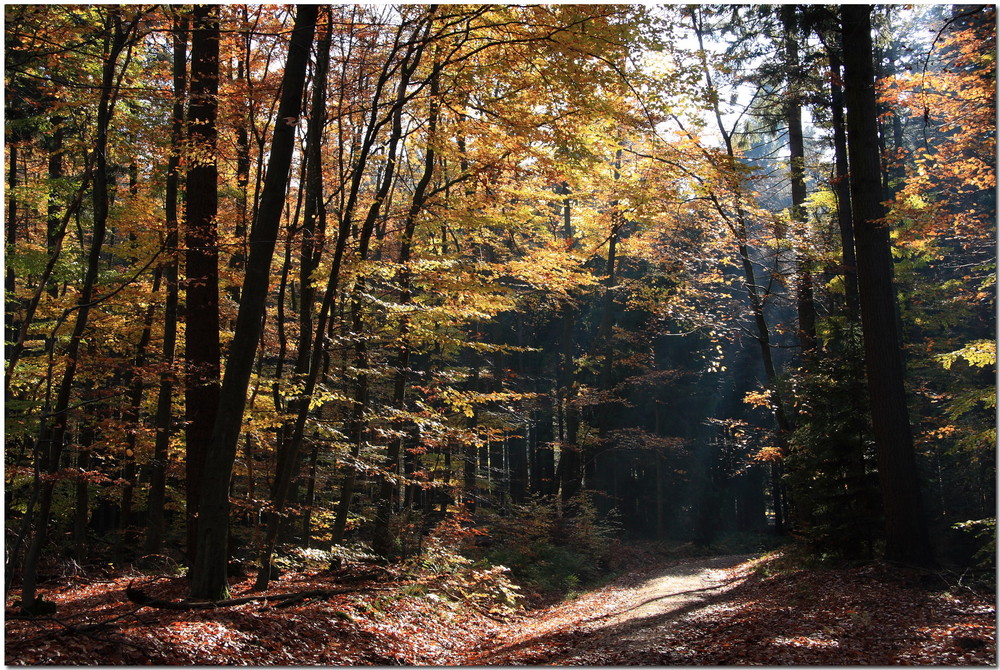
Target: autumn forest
[495,288]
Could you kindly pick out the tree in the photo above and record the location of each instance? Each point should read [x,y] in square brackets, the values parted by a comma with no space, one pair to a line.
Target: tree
[164,399]
[120,33]
[208,578]
[905,525]
[796,160]
[202,350]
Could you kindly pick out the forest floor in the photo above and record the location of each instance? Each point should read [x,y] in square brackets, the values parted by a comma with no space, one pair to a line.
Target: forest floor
[727,610]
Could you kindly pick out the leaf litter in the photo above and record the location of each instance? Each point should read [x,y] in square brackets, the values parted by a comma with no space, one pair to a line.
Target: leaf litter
[719,611]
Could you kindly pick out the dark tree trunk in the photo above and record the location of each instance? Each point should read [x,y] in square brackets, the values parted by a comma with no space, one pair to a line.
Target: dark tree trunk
[119,34]
[313,234]
[905,525]
[201,349]
[324,326]
[842,188]
[11,326]
[208,579]
[164,399]
[55,205]
[797,173]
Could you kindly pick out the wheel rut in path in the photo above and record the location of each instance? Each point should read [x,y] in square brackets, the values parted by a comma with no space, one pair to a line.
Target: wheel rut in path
[615,625]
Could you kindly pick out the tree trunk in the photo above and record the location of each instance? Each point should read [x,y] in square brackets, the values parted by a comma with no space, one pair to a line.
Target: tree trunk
[11,326]
[842,188]
[164,399]
[55,206]
[208,578]
[52,436]
[569,473]
[313,234]
[201,349]
[738,226]
[797,175]
[905,525]
[388,488]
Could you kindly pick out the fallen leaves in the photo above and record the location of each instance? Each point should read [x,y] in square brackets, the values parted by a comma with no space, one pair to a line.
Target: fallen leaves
[752,614]
[371,623]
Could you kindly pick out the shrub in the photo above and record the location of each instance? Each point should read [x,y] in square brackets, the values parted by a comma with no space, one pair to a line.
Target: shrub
[552,547]
[483,585]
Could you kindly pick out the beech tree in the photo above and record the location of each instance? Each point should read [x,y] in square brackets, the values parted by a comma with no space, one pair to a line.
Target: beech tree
[202,349]
[209,571]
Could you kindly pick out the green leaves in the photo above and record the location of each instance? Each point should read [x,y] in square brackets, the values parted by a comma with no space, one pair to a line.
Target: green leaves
[979,354]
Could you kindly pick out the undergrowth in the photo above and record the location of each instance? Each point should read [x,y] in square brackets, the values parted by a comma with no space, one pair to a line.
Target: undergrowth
[552,547]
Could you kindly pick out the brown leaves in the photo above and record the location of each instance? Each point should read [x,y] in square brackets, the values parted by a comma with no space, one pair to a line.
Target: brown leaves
[368,624]
[759,614]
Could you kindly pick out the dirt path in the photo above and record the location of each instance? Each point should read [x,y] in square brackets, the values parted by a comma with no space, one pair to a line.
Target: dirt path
[625,618]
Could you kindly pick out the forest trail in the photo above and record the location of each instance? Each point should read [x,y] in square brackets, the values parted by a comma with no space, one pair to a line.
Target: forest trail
[628,616]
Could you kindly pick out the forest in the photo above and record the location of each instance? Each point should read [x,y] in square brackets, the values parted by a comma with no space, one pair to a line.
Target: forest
[494,290]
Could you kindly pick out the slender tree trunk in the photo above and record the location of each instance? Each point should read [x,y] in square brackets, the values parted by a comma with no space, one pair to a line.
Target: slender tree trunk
[313,234]
[388,488]
[544,470]
[208,578]
[55,205]
[52,434]
[132,418]
[842,188]
[356,424]
[81,507]
[470,452]
[238,259]
[11,326]
[797,173]
[907,538]
[738,225]
[164,398]
[570,459]
[325,322]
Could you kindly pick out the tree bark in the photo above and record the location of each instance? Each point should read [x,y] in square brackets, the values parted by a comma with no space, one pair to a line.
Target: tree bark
[164,398]
[201,345]
[905,525]
[797,176]
[842,188]
[208,579]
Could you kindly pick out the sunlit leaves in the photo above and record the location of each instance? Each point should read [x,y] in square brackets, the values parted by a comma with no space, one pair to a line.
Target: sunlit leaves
[981,353]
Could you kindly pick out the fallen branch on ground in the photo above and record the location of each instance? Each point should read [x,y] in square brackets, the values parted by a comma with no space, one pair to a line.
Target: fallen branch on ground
[140,598]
